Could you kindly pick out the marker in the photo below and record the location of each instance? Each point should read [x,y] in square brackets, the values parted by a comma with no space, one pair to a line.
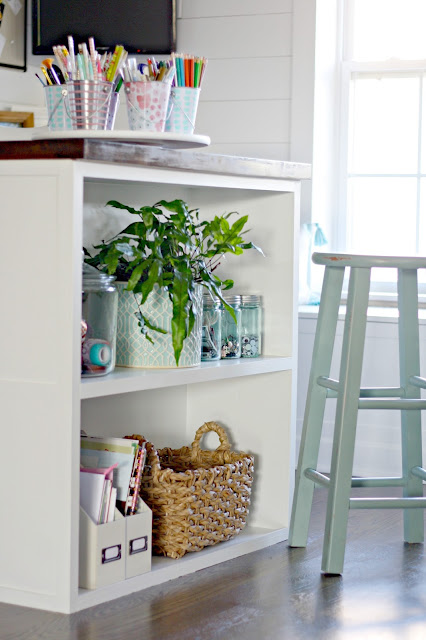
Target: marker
[118,85]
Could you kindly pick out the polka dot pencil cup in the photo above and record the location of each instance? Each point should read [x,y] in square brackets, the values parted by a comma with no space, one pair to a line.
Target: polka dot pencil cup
[183,107]
[147,105]
[57,116]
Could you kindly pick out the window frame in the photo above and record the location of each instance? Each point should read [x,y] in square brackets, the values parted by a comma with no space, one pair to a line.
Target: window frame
[347,69]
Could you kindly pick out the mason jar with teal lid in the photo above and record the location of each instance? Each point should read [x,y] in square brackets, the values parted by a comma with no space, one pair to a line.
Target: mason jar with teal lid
[211,328]
[231,328]
[98,322]
[251,326]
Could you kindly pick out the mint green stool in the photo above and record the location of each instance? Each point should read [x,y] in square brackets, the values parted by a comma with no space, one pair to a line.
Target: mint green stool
[351,398]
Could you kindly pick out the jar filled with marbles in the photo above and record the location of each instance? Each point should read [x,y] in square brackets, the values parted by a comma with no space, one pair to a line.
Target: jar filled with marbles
[211,328]
[231,329]
[251,326]
[98,322]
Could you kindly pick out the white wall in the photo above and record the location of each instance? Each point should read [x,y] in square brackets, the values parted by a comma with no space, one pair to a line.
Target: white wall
[245,99]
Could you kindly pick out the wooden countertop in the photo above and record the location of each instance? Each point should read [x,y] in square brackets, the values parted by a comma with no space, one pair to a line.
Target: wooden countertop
[143,155]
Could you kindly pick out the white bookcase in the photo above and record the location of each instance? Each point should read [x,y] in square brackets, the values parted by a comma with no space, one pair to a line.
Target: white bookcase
[49,208]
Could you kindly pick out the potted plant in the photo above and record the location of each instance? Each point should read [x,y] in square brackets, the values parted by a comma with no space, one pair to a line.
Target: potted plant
[169,249]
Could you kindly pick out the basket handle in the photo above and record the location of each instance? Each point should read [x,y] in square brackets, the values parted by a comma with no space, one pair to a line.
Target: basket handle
[152,459]
[224,448]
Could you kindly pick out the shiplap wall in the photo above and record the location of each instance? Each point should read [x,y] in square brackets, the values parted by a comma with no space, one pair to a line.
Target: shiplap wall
[245,99]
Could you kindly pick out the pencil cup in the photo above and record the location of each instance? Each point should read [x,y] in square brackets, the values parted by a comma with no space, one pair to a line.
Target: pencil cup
[87,104]
[112,111]
[147,104]
[57,117]
[183,105]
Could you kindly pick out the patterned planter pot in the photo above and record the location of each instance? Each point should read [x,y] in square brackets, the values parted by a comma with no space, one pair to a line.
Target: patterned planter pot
[134,350]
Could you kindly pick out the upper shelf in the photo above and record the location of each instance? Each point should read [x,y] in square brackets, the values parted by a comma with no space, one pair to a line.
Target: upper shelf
[123,380]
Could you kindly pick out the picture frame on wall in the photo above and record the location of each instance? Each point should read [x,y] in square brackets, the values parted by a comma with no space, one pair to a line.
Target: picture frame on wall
[16,119]
[13,41]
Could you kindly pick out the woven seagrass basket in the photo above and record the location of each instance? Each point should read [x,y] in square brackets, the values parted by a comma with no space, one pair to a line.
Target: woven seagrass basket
[198,497]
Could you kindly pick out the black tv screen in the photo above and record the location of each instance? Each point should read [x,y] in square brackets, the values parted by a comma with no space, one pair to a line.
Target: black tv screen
[141,26]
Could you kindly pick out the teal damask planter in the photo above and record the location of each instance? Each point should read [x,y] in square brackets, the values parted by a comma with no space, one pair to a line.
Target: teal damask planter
[134,350]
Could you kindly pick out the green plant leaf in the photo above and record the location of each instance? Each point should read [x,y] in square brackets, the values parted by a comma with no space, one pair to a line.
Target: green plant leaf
[153,278]
[148,217]
[177,206]
[111,259]
[238,225]
[153,327]
[251,245]
[118,205]
[138,229]
[136,276]
[180,297]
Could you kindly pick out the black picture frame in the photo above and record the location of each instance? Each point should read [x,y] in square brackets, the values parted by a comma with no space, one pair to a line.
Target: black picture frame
[13,34]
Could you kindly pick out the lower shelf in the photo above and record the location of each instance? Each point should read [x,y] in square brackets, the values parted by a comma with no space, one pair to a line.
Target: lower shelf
[164,569]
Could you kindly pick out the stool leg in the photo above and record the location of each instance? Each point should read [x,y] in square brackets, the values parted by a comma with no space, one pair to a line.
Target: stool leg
[409,364]
[315,404]
[346,420]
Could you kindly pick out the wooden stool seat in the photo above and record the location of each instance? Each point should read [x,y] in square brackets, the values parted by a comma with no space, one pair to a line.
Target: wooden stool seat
[351,398]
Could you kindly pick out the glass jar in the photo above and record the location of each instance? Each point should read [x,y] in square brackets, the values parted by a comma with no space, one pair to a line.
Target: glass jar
[98,322]
[251,326]
[231,330]
[211,328]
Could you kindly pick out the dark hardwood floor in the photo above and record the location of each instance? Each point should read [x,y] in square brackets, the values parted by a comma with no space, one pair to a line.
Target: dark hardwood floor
[274,594]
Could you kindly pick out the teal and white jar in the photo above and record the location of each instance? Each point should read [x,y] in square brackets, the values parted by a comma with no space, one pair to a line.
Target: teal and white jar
[251,326]
[134,350]
[98,322]
[212,328]
[231,329]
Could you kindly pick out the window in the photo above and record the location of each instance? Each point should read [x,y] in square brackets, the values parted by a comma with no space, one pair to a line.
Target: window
[383,129]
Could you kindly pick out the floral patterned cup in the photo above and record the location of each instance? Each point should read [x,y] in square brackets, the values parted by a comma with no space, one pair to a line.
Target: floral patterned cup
[147,105]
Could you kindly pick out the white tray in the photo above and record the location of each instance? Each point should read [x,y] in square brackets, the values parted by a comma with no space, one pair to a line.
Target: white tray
[151,138]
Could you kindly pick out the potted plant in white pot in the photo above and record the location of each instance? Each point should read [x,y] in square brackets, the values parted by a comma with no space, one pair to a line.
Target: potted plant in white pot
[166,258]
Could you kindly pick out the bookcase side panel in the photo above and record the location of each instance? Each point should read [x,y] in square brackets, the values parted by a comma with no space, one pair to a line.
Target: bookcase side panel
[38,401]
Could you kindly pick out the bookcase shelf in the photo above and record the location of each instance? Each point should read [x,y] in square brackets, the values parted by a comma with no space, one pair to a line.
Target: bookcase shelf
[164,569]
[59,206]
[123,380]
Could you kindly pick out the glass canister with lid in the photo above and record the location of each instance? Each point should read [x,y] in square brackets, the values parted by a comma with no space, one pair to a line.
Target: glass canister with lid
[251,326]
[98,322]
[211,328]
[231,330]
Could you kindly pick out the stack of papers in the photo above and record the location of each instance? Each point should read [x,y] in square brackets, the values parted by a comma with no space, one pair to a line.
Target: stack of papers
[97,493]
[119,461]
